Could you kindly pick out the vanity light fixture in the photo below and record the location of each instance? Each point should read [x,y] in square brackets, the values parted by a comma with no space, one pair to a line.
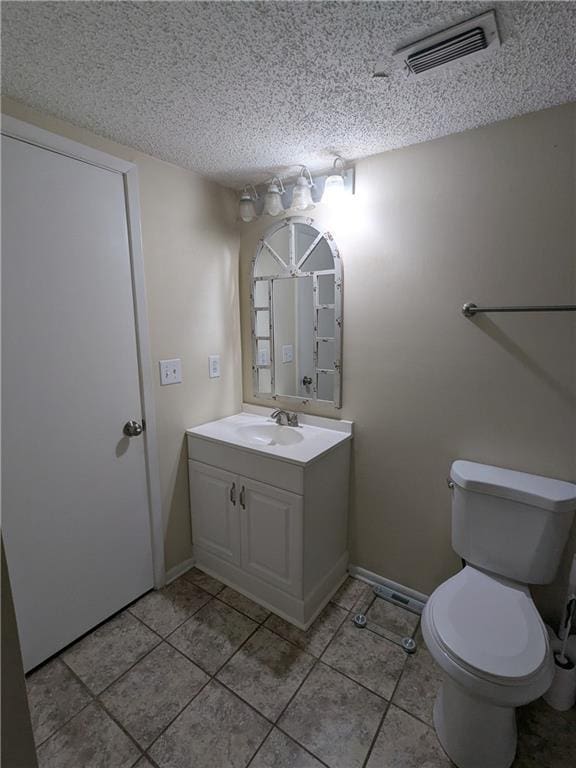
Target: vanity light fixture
[301,195]
[247,208]
[334,184]
[273,198]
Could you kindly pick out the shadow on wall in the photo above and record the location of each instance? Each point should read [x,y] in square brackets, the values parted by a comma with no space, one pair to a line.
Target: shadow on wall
[549,598]
[507,343]
[179,500]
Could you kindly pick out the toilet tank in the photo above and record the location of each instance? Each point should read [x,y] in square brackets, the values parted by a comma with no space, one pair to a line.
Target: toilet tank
[510,523]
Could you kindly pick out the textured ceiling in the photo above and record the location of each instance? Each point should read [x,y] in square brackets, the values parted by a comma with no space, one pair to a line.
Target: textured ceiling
[235,90]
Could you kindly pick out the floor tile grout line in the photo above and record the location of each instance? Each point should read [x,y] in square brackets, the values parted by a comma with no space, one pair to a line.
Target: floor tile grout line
[362,685]
[412,714]
[63,725]
[260,626]
[234,653]
[211,597]
[259,747]
[297,691]
[353,680]
[376,734]
[319,661]
[379,728]
[95,697]
[288,736]
[147,749]
[243,612]
[217,597]
[97,700]
[121,726]
[99,704]
[271,629]
[306,749]
[212,678]
[128,669]
[163,731]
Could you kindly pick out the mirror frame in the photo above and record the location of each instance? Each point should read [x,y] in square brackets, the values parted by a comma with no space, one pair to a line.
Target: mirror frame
[293,270]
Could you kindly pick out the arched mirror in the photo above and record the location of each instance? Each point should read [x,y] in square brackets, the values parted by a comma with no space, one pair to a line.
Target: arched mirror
[296,300]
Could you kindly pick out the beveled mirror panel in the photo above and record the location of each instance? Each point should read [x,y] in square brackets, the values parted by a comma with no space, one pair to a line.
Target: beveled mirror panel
[296,299]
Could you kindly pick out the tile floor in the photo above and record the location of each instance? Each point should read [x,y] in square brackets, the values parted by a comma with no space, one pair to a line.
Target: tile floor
[198,676]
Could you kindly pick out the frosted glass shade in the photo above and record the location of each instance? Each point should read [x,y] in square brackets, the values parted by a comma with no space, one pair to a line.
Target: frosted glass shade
[333,189]
[247,209]
[301,196]
[273,200]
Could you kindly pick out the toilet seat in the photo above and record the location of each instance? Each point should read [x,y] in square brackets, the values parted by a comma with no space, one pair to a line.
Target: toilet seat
[490,627]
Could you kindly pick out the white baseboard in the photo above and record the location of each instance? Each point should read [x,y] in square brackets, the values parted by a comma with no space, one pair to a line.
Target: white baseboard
[374,578]
[178,570]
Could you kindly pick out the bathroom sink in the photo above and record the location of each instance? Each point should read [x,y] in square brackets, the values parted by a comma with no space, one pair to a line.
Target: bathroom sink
[269,434]
[255,432]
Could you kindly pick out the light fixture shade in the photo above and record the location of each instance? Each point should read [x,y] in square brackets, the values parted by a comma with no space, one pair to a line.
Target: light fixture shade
[273,200]
[301,196]
[247,208]
[333,189]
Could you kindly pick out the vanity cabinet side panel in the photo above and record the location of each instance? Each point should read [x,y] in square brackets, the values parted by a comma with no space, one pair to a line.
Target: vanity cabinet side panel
[326,502]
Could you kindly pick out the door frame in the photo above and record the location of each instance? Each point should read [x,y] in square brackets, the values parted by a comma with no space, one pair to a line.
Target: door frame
[53,142]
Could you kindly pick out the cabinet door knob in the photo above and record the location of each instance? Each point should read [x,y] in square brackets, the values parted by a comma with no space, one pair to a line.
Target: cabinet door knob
[233,494]
[243,498]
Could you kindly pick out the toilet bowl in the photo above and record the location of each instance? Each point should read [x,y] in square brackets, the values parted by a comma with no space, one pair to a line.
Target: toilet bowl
[486,634]
[481,625]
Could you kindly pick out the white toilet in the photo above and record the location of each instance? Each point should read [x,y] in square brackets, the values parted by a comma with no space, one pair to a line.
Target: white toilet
[481,626]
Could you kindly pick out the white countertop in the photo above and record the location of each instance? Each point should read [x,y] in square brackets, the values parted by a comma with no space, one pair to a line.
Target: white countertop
[316,435]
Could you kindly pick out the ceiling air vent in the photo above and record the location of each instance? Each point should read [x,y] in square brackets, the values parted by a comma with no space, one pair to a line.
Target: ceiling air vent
[469,41]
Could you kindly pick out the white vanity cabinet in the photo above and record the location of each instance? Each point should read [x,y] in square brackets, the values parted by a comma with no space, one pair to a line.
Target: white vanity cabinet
[251,524]
[272,524]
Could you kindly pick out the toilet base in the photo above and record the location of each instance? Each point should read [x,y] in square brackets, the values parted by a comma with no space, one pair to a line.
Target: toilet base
[473,732]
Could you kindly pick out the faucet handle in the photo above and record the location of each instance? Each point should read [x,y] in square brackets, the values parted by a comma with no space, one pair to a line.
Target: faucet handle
[293,420]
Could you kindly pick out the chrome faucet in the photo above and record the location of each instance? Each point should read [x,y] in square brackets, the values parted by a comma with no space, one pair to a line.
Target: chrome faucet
[284,418]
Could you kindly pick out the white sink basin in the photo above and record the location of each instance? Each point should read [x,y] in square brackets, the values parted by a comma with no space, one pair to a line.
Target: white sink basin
[270,434]
[256,432]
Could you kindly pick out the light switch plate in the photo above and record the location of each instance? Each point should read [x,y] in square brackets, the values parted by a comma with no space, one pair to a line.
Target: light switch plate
[287,353]
[171,371]
[214,366]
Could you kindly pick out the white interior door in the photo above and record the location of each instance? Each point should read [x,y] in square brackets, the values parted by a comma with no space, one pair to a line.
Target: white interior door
[76,518]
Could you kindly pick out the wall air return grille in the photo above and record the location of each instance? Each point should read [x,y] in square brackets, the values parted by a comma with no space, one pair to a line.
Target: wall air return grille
[469,41]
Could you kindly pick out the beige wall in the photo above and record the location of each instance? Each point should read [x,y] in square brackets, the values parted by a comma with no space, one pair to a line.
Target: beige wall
[484,216]
[190,245]
[488,216]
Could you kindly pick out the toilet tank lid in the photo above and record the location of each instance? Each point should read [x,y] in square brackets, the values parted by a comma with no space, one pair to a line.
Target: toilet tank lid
[534,490]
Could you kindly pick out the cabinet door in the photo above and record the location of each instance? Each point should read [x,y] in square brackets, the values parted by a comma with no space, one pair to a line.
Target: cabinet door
[214,506]
[272,534]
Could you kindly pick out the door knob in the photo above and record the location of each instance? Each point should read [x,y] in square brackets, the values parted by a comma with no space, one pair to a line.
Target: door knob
[307,380]
[133,428]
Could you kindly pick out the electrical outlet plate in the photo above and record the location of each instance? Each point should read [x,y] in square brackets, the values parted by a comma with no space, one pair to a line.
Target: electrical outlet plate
[214,366]
[170,371]
[287,353]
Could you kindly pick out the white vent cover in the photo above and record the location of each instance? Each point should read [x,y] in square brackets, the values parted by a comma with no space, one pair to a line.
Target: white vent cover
[474,39]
